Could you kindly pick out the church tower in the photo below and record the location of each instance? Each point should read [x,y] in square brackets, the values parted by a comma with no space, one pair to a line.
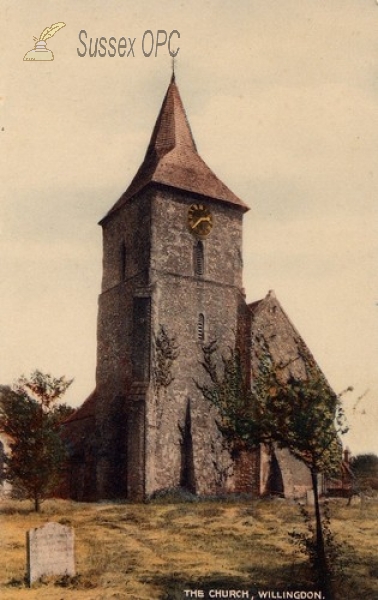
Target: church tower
[172,282]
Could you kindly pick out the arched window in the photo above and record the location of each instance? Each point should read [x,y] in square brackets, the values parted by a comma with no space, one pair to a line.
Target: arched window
[122,267]
[201,328]
[141,339]
[199,259]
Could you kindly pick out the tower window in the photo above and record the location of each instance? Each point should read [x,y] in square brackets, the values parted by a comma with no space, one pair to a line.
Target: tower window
[201,328]
[141,338]
[199,259]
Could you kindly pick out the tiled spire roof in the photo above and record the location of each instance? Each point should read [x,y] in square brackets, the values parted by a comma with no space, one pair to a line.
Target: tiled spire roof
[172,158]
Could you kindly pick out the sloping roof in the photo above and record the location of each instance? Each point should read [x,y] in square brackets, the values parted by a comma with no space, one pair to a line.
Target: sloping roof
[85,411]
[273,332]
[172,158]
[78,430]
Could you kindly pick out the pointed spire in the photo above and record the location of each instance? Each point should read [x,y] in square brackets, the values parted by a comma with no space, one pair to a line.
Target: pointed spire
[172,158]
[172,128]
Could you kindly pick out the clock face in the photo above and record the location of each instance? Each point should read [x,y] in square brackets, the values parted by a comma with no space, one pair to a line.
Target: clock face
[200,220]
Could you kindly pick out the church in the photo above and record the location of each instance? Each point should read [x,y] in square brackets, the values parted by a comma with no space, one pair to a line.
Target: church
[172,283]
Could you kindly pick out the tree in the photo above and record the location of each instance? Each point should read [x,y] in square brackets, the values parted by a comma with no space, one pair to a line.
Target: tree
[238,407]
[31,417]
[365,471]
[303,415]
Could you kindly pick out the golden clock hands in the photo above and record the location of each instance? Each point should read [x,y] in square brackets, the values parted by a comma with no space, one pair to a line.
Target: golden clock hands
[200,221]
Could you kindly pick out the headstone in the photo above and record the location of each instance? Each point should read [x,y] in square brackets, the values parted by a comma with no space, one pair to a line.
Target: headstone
[356,500]
[310,500]
[50,551]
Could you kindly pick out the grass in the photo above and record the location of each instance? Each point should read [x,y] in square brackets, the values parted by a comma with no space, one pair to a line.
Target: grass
[156,550]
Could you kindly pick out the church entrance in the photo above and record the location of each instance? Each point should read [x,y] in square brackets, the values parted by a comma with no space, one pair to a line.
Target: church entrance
[275,486]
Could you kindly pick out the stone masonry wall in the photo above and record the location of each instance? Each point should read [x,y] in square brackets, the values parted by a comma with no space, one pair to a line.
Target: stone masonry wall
[160,434]
[178,298]
[119,409]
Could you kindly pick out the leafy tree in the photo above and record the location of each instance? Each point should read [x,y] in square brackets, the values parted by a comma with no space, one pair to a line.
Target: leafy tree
[303,415]
[365,471]
[31,417]
[239,418]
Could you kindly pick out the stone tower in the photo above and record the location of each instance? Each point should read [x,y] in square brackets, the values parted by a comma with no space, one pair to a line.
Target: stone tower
[172,282]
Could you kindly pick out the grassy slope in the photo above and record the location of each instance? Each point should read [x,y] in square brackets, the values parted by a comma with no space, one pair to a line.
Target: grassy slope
[126,551]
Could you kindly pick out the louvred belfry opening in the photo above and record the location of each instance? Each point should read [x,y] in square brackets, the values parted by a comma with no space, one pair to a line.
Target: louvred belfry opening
[199,259]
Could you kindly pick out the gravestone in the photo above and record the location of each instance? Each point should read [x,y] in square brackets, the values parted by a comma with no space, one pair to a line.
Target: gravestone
[50,551]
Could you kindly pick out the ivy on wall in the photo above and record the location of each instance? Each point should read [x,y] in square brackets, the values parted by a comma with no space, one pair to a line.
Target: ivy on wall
[166,352]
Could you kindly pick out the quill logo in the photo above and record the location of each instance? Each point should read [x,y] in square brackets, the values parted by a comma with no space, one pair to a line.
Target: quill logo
[40,52]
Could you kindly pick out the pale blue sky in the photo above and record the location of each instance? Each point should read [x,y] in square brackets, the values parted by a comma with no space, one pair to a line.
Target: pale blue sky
[282,99]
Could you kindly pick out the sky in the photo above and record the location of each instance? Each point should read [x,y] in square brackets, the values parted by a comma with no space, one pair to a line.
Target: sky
[282,99]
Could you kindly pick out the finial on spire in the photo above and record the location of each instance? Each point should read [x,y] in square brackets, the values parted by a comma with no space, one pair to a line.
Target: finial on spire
[173,78]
